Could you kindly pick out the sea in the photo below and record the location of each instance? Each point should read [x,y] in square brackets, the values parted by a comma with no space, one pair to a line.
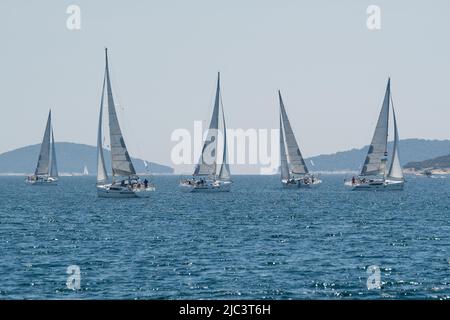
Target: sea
[258,241]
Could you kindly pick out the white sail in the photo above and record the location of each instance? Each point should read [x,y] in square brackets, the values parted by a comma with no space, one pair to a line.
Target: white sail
[120,159]
[208,159]
[284,168]
[42,167]
[295,159]
[375,163]
[102,176]
[53,163]
[395,170]
[224,173]
[85,171]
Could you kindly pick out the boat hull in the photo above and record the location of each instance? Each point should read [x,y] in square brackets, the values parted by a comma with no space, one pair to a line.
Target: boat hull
[384,185]
[108,191]
[42,182]
[208,186]
[300,184]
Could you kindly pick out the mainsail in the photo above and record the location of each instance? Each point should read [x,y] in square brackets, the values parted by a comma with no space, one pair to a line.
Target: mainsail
[375,163]
[295,159]
[284,168]
[102,176]
[42,167]
[120,159]
[395,170]
[208,159]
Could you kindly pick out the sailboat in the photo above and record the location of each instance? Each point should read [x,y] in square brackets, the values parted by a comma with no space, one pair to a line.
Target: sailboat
[293,169]
[375,173]
[210,175]
[46,172]
[85,171]
[125,183]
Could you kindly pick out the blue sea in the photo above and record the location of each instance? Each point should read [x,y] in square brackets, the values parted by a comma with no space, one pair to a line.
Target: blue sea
[256,242]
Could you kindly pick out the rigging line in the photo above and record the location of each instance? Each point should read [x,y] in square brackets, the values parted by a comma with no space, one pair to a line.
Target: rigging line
[393,113]
[221,104]
[392,99]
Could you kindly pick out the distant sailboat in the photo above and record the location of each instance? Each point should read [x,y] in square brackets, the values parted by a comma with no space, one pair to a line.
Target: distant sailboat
[125,183]
[46,172]
[210,175]
[85,171]
[374,173]
[293,169]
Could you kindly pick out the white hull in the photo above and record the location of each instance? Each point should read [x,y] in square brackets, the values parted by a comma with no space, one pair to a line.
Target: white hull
[207,186]
[379,185]
[109,191]
[299,183]
[42,182]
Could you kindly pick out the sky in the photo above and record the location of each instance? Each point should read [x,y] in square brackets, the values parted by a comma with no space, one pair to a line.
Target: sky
[165,55]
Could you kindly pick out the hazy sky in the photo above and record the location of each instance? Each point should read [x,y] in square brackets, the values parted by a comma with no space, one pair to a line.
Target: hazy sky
[165,55]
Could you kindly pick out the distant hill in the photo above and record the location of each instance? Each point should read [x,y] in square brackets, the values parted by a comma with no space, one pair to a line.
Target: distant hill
[71,157]
[411,150]
[435,163]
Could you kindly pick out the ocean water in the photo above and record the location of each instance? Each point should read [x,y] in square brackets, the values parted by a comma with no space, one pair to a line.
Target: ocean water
[256,242]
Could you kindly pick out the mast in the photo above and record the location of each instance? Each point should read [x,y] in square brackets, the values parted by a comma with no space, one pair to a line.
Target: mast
[375,163]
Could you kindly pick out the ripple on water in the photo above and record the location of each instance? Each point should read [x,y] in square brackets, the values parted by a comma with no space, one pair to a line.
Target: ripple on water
[256,242]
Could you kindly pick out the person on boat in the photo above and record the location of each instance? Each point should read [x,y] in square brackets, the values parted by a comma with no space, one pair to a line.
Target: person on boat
[145,183]
[353,180]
